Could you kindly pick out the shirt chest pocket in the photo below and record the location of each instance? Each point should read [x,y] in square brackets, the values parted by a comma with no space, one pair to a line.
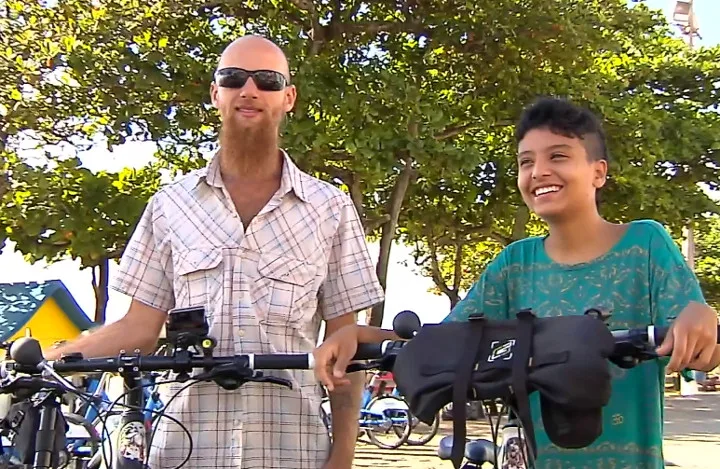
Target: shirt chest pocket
[285,291]
[199,278]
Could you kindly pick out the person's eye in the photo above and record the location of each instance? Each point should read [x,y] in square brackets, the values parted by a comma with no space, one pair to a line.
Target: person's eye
[556,156]
[524,161]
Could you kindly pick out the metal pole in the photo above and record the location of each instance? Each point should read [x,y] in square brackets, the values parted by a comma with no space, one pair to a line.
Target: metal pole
[689,30]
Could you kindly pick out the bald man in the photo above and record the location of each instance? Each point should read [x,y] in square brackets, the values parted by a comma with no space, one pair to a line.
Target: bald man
[270,252]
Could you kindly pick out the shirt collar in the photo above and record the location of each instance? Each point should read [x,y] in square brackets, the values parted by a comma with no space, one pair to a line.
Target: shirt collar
[292,178]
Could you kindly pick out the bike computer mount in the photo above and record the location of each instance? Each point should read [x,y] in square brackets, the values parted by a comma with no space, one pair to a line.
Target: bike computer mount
[186,328]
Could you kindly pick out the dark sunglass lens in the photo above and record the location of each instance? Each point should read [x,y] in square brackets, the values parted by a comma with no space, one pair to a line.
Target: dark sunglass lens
[232,78]
[267,80]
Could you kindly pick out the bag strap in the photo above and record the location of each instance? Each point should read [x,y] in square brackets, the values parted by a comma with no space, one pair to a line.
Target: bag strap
[519,377]
[461,386]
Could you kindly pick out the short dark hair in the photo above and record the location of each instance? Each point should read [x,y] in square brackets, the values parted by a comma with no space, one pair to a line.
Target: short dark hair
[562,117]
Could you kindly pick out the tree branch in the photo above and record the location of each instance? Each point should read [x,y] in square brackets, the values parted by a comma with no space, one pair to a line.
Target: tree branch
[354,10]
[499,238]
[459,129]
[356,194]
[520,225]
[435,270]
[457,273]
[375,27]
[448,240]
[317,32]
[375,223]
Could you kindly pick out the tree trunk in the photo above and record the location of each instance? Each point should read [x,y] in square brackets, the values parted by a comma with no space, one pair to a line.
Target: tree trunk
[356,194]
[454,294]
[4,180]
[100,286]
[388,235]
[519,230]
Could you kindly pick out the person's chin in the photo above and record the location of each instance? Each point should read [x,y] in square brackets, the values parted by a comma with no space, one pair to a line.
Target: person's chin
[549,213]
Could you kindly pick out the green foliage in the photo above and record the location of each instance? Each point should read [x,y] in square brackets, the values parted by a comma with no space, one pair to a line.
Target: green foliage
[656,98]
[707,259]
[389,92]
[60,209]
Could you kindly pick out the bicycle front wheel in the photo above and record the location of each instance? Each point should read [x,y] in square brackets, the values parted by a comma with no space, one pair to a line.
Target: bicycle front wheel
[389,419]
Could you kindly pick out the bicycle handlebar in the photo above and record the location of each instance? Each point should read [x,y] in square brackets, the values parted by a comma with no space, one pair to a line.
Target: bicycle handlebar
[654,336]
[28,357]
[630,345]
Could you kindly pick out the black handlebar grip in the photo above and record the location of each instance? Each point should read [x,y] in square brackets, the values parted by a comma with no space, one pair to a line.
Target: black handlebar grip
[369,351]
[658,335]
[280,362]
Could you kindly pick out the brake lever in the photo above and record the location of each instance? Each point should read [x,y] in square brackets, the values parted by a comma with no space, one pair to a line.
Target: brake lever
[260,378]
[230,377]
[634,354]
[384,364]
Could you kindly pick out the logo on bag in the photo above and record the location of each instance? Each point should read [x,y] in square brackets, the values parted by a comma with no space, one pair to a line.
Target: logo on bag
[501,350]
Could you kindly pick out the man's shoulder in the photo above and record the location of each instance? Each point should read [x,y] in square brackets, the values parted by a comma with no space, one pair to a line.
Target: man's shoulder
[646,235]
[177,194]
[186,183]
[319,193]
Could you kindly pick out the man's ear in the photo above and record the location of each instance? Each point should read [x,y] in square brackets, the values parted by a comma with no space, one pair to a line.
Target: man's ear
[214,94]
[290,97]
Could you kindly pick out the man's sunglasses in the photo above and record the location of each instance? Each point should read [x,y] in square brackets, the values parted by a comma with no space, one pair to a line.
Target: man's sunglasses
[265,80]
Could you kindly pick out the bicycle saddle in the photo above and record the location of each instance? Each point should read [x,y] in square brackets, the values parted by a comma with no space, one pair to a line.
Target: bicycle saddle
[478,452]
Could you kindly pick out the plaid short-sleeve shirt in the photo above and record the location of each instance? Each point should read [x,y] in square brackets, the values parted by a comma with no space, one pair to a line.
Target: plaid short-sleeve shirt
[265,289]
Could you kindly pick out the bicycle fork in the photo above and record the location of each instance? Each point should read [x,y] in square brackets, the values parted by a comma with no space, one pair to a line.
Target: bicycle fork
[130,438]
[45,439]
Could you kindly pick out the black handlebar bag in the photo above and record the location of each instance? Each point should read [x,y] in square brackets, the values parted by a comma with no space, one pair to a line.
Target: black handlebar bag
[565,359]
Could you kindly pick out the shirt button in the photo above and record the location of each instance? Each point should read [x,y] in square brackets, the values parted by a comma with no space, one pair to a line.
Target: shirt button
[241,333]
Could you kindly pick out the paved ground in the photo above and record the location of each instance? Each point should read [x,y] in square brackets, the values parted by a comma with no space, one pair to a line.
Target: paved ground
[692,439]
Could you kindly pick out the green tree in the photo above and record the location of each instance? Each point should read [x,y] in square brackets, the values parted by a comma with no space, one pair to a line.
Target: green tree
[389,92]
[59,210]
[653,94]
[707,258]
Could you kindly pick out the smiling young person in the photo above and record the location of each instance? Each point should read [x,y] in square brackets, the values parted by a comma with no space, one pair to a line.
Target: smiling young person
[633,269]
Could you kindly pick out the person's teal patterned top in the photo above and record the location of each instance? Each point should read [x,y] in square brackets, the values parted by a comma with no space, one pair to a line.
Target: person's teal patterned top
[643,280]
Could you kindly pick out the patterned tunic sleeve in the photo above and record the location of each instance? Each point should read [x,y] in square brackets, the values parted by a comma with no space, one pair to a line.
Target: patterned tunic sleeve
[672,284]
[488,295]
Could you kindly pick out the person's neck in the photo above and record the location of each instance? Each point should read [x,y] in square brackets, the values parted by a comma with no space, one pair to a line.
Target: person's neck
[578,236]
[239,163]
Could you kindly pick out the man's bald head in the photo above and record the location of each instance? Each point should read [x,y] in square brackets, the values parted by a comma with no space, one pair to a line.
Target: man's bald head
[255,53]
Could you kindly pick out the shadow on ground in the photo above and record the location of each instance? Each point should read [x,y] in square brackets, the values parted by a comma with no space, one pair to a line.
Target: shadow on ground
[692,438]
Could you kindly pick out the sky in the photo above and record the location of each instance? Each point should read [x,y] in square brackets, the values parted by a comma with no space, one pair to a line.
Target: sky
[406,289]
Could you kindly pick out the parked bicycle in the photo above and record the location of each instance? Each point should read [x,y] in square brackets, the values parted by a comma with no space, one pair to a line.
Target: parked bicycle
[38,425]
[384,419]
[381,384]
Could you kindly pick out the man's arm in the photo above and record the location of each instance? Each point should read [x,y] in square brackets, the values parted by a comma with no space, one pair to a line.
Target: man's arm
[374,335]
[345,404]
[145,276]
[350,285]
[145,321]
